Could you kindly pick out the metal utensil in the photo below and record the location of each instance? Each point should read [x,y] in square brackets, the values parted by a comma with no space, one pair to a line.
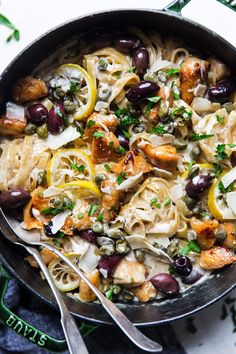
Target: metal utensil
[74,339]
[137,337]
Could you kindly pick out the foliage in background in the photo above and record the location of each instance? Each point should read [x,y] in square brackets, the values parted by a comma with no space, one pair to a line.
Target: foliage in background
[15,32]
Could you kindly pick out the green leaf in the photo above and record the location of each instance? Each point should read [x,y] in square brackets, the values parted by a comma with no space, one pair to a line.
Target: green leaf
[7,23]
[172,71]
[80,216]
[159,129]
[126,134]
[181,112]
[220,119]
[120,150]
[98,134]
[74,87]
[190,165]
[148,107]
[100,218]
[190,246]
[80,168]
[90,123]
[120,178]
[154,99]
[217,169]
[126,118]
[197,137]
[92,209]
[221,154]
[131,70]
[54,211]
[107,167]
[225,190]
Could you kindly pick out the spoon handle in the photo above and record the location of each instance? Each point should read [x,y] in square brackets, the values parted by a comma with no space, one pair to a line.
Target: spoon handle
[74,339]
[133,333]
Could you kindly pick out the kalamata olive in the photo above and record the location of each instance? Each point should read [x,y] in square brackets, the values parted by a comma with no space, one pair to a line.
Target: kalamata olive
[182,265]
[48,230]
[141,60]
[14,198]
[198,185]
[124,142]
[222,90]
[128,43]
[233,159]
[88,235]
[141,91]
[36,114]
[109,263]
[166,283]
[194,276]
[55,119]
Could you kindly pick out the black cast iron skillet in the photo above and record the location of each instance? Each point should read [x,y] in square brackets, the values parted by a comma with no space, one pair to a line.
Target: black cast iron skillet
[165,22]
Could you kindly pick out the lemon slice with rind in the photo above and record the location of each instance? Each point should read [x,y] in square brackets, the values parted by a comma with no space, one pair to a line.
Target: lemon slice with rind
[69,165]
[217,203]
[84,94]
[81,189]
[63,276]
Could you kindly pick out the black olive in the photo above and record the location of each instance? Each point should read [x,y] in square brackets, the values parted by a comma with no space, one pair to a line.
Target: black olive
[222,90]
[166,283]
[182,265]
[142,90]
[141,60]
[127,43]
[198,185]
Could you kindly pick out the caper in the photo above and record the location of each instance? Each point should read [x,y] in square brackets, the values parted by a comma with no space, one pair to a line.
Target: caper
[114,233]
[127,296]
[191,235]
[195,152]
[150,77]
[180,143]
[139,255]
[229,106]
[122,247]
[41,178]
[104,92]
[59,92]
[107,250]
[30,129]
[220,235]
[161,76]
[69,106]
[105,241]
[163,109]
[194,172]
[190,202]
[42,131]
[99,178]
[116,289]
[102,64]
[57,202]
[97,227]
[138,129]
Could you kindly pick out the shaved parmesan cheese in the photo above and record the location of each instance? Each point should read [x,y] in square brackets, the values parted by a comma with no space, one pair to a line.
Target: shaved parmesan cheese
[58,221]
[106,190]
[229,177]
[78,245]
[176,192]
[231,201]
[15,111]
[37,215]
[130,182]
[56,141]
[89,261]
[51,191]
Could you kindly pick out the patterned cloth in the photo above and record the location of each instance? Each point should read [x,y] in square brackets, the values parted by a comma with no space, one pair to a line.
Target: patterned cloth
[100,341]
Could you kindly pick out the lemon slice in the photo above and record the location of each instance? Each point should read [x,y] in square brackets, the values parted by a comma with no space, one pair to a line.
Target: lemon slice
[68,165]
[202,166]
[86,94]
[64,277]
[82,189]
[216,203]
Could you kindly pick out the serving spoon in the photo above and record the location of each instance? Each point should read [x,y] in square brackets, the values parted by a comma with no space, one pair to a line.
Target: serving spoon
[133,333]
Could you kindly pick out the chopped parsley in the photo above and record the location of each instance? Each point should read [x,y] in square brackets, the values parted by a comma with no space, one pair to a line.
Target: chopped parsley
[90,123]
[190,165]
[190,246]
[220,119]
[126,134]
[111,143]
[217,169]
[225,190]
[181,112]
[120,150]
[107,167]
[197,137]
[131,70]
[176,92]
[126,118]
[117,74]
[80,216]
[80,168]
[151,101]
[74,87]
[167,202]
[92,209]
[60,113]
[120,178]
[159,129]
[172,71]
[221,154]
[54,211]
[154,202]
[100,218]
[98,134]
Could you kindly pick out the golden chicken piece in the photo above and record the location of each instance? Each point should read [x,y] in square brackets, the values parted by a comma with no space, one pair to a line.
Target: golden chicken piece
[205,232]
[129,273]
[132,164]
[47,255]
[39,203]
[216,257]
[193,71]
[110,202]
[163,156]
[85,293]
[98,121]
[29,89]
[230,240]
[12,126]
[145,292]
[103,149]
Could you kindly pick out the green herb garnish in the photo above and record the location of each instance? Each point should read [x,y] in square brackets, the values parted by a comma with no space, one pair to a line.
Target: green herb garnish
[154,202]
[74,87]
[120,150]
[225,190]
[92,209]
[120,178]
[167,202]
[182,112]
[7,23]
[172,71]
[107,167]
[60,113]
[159,129]
[197,137]
[126,134]
[131,70]
[80,216]
[126,118]
[90,123]
[80,168]
[217,169]
[220,119]
[151,101]
[190,246]
[54,211]
[98,134]
[221,154]
[190,165]
[100,218]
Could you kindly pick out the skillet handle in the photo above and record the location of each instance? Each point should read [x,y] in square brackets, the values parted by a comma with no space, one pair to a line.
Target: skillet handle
[176,6]
[21,327]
